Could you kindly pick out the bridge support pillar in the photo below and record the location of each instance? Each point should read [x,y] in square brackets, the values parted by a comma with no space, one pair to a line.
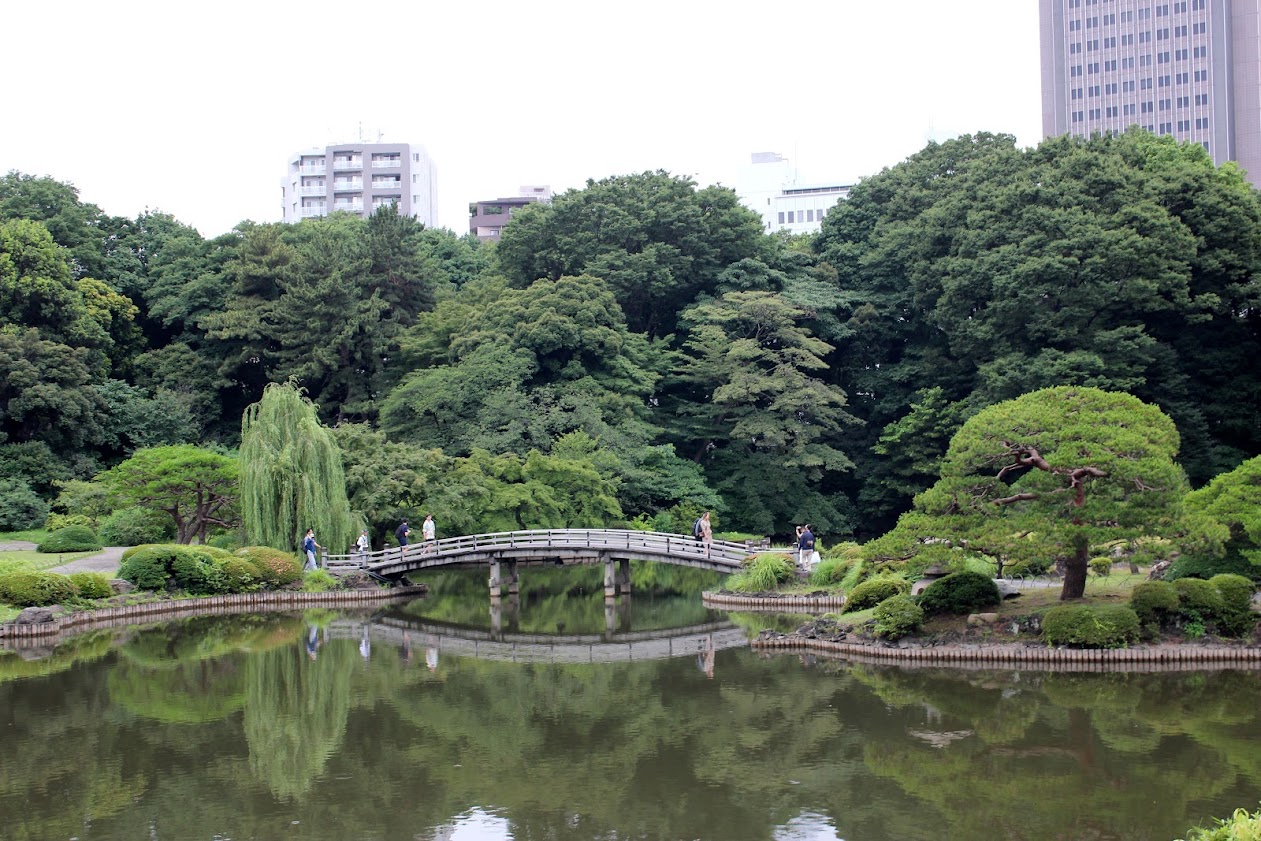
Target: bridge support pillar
[503,575]
[623,577]
[511,578]
[610,579]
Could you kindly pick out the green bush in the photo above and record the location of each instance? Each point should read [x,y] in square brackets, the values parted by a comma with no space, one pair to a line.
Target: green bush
[20,507]
[226,542]
[275,568]
[765,571]
[318,581]
[1101,567]
[830,571]
[148,567]
[959,593]
[898,616]
[1036,566]
[8,565]
[91,585]
[1240,827]
[1090,626]
[872,592]
[136,526]
[1235,618]
[57,521]
[71,539]
[1155,602]
[196,573]
[128,553]
[1194,566]
[32,589]
[241,575]
[1198,600]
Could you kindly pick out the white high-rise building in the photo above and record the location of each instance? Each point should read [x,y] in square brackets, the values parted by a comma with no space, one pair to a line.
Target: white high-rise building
[768,186]
[359,178]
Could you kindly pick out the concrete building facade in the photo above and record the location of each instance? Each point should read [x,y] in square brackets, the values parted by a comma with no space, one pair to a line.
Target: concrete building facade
[769,187]
[1190,69]
[359,178]
[487,218]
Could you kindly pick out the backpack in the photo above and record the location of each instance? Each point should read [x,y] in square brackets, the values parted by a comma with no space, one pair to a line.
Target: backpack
[696,529]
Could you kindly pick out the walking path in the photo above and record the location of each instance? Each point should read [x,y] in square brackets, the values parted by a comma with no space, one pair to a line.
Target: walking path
[106,561]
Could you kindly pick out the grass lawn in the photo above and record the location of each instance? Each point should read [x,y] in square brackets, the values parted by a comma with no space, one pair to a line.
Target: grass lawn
[43,560]
[30,536]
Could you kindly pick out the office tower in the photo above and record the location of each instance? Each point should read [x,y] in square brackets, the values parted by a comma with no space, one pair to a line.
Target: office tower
[1189,69]
[359,178]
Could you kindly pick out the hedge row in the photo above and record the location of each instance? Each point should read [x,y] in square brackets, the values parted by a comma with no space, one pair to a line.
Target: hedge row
[207,570]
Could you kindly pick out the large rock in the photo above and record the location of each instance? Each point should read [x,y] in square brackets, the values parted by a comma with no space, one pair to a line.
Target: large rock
[1006,589]
[977,619]
[121,587]
[38,615]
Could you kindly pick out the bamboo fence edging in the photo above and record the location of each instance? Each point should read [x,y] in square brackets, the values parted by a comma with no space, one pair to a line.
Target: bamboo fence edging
[786,604]
[236,603]
[1004,655]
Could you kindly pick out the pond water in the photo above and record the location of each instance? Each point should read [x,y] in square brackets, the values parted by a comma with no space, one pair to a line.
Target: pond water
[557,719]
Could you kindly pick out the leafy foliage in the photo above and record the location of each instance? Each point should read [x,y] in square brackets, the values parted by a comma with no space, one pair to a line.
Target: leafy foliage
[898,616]
[763,573]
[1090,626]
[1235,618]
[275,568]
[136,526]
[1155,602]
[91,585]
[873,591]
[71,539]
[20,507]
[959,593]
[35,589]
[195,487]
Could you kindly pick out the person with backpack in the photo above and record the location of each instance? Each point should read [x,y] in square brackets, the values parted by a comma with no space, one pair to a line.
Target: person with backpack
[703,532]
[401,533]
[805,545]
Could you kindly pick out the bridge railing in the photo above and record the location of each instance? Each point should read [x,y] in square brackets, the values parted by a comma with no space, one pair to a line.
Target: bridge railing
[657,543]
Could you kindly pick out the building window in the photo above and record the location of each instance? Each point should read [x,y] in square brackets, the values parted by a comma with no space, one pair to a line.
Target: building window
[1201,99]
[1110,111]
[1163,81]
[1199,28]
[781,217]
[1093,90]
[1074,49]
[809,215]
[1182,78]
[1091,23]
[1149,107]
[1180,31]
[1145,60]
[1201,122]
[1162,58]
[1201,52]
[1162,11]
[1197,4]
[1110,88]
[1180,7]
[1127,16]
[1180,55]
[1109,20]
[1091,46]
[1127,39]
[1077,118]
[1110,42]
[1076,93]
[1075,70]
[1146,84]
[1128,86]
[1094,113]
[1184,102]
[1144,37]
[1166,128]
[1201,75]
[1144,14]
[1184,125]
[1162,34]
[1074,26]
[1166,104]
[1110,65]
[1093,67]
[1129,109]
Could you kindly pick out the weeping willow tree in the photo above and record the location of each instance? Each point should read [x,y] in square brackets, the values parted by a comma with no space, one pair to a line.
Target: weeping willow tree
[291,474]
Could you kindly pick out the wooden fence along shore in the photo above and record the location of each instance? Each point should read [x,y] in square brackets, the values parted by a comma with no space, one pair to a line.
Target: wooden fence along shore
[210,605]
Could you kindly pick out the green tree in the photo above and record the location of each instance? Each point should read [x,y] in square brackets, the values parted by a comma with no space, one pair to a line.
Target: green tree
[1234,500]
[195,487]
[1052,472]
[292,477]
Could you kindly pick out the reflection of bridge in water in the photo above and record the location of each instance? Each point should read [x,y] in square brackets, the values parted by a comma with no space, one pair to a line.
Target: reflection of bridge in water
[409,634]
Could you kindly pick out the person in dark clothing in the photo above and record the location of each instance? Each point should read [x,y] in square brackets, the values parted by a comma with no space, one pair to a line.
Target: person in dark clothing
[805,545]
[401,533]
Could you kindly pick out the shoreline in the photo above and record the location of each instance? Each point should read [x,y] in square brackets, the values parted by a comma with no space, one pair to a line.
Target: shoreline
[803,603]
[137,614]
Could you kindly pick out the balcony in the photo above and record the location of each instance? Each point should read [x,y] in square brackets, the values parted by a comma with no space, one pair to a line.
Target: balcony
[395,185]
[310,190]
[348,206]
[315,210]
[347,186]
[311,169]
[348,163]
[387,163]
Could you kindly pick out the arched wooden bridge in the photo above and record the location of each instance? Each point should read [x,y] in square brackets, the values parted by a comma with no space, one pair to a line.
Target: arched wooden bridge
[503,552]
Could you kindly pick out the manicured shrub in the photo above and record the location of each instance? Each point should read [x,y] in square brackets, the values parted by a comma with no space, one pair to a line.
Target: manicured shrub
[318,581]
[32,589]
[20,507]
[1090,626]
[241,575]
[148,567]
[1195,566]
[91,585]
[1155,602]
[57,521]
[898,616]
[136,526]
[275,568]
[71,539]
[830,571]
[765,571]
[1101,567]
[196,573]
[1235,618]
[959,593]
[872,592]
[1198,599]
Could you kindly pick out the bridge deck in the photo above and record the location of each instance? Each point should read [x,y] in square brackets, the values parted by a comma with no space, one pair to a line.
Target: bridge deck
[548,545]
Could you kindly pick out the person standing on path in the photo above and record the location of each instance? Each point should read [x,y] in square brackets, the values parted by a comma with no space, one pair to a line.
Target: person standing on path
[363,545]
[401,533]
[428,533]
[707,532]
[309,546]
[805,546]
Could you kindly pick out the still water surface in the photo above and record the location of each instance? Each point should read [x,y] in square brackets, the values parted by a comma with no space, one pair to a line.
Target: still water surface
[437,720]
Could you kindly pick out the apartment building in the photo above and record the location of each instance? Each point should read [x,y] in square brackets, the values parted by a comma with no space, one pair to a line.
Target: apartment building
[1190,69]
[359,178]
[487,218]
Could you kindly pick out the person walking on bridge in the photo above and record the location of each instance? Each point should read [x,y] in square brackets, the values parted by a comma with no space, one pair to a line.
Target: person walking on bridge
[707,532]
[428,533]
[401,533]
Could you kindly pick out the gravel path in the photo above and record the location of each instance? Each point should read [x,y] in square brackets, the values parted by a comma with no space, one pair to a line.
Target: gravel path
[106,561]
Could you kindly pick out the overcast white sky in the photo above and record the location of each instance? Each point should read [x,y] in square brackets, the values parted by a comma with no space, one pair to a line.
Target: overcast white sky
[193,108]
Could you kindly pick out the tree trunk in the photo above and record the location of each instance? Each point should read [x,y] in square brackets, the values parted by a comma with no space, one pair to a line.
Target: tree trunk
[1075,568]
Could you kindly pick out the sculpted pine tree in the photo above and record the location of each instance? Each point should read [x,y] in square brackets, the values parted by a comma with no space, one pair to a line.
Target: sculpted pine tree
[1053,472]
[292,477]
